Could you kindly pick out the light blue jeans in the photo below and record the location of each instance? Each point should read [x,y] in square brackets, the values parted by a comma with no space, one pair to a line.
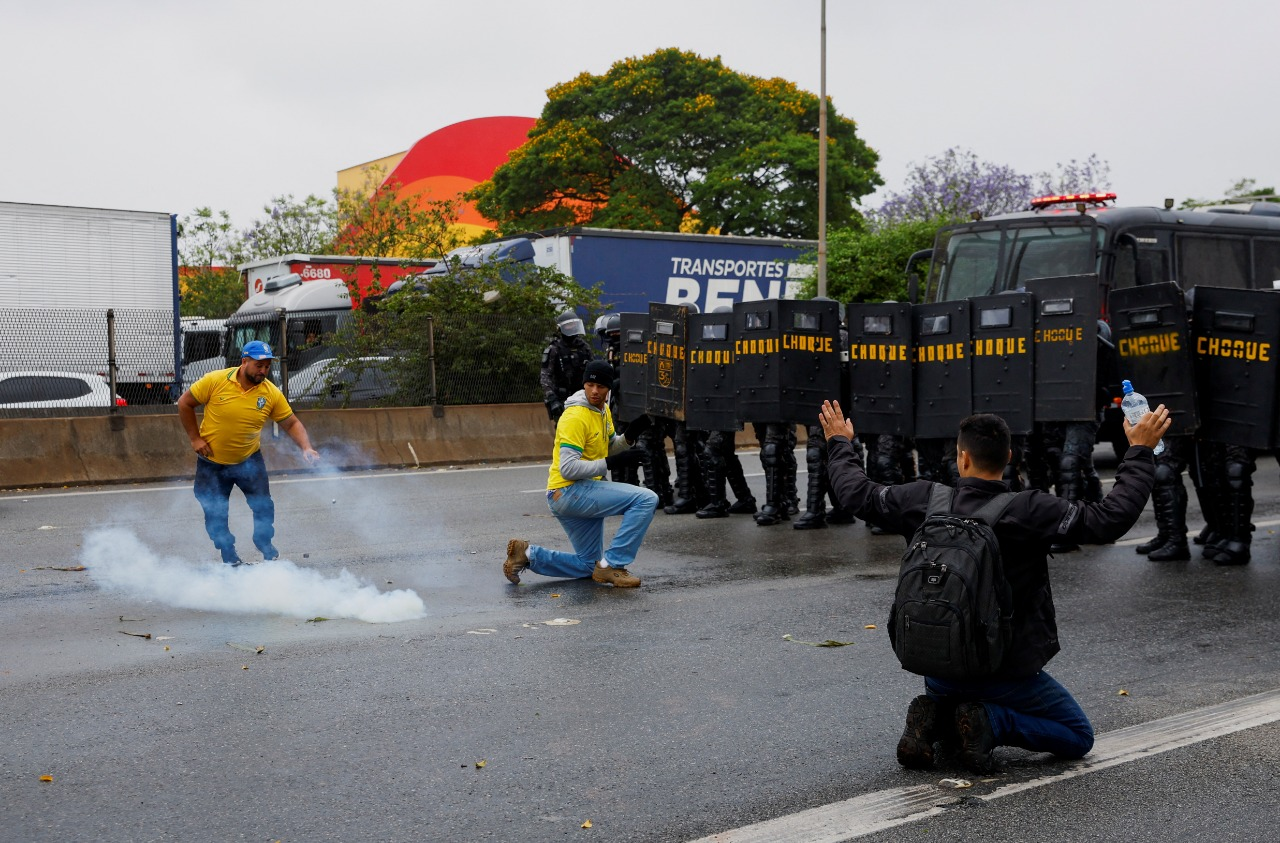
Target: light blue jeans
[1035,713]
[581,509]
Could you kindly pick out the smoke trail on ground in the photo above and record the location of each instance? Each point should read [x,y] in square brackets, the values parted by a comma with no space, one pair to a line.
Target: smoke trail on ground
[118,561]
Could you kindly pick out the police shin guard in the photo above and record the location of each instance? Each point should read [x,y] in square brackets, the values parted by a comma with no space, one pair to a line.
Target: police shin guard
[657,474]
[686,479]
[744,503]
[815,514]
[1170,504]
[1237,512]
[774,509]
[713,470]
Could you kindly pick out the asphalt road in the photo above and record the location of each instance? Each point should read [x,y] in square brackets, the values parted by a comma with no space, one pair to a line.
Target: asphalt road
[666,713]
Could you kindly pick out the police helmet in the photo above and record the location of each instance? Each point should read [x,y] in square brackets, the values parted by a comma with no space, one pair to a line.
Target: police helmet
[693,308]
[570,324]
[724,308]
[601,323]
[613,324]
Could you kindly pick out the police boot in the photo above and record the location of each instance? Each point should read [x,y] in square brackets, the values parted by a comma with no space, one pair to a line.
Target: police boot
[686,476]
[1210,535]
[657,474]
[815,514]
[1170,505]
[774,509]
[1071,488]
[790,496]
[744,503]
[1237,507]
[713,471]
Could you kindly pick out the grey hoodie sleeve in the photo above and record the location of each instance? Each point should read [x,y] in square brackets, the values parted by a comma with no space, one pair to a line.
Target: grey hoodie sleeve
[574,467]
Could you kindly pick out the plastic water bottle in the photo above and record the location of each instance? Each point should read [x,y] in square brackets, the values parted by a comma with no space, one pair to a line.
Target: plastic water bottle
[1134,406]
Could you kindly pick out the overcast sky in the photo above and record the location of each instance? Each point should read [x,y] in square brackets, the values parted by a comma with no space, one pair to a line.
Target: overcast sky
[167,106]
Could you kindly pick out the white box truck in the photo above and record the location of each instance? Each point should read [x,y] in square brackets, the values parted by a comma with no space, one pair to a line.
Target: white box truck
[63,268]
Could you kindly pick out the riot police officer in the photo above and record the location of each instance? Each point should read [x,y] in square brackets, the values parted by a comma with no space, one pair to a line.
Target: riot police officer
[564,362]
[609,330]
[1227,475]
[815,516]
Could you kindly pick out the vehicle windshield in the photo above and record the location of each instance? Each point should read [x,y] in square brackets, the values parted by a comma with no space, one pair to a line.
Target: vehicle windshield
[981,261]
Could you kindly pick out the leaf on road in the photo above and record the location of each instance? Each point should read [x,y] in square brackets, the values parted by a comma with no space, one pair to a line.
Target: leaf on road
[317,619]
[828,643]
[480,764]
[555,595]
[870,626]
[587,824]
[60,568]
[46,778]
[1122,693]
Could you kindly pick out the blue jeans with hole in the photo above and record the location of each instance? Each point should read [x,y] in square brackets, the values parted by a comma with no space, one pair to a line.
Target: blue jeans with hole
[213,485]
[1035,713]
[581,509]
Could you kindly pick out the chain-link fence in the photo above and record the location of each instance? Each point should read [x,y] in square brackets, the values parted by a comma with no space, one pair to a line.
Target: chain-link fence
[57,362]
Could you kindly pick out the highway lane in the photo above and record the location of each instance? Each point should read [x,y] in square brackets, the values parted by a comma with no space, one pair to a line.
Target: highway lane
[671,712]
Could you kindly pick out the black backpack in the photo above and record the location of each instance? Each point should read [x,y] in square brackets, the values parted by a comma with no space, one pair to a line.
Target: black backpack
[952,609]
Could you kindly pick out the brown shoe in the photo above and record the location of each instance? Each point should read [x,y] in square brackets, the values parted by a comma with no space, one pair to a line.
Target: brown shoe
[915,748]
[976,738]
[617,577]
[517,559]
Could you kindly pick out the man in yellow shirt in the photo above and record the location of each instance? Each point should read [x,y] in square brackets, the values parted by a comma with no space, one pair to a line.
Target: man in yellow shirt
[580,498]
[237,403]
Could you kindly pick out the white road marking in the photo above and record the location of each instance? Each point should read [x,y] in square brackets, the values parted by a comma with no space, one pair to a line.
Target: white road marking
[872,812]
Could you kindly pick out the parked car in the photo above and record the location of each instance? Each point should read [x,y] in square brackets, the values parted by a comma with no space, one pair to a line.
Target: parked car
[23,390]
[334,382]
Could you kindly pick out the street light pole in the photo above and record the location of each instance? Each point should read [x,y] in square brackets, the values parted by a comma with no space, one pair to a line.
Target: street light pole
[822,160]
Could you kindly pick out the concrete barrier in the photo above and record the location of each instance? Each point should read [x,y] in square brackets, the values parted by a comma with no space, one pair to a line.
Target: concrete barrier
[143,448]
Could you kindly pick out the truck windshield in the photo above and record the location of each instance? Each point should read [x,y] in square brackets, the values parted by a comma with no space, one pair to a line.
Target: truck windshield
[978,262]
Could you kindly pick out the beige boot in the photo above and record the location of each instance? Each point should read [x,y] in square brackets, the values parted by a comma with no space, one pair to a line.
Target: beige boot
[517,559]
[617,577]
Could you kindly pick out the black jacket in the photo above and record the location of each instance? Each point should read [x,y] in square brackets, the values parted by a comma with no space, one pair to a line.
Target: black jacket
[1029,525]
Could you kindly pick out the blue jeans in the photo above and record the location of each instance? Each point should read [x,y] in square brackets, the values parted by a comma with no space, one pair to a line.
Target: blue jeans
[581,509]
[213,491]
[1035,713]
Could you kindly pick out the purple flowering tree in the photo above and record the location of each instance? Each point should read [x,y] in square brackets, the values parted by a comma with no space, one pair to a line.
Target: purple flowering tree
[950,186]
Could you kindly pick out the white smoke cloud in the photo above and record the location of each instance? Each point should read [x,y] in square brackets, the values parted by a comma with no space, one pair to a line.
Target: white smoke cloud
[118,561]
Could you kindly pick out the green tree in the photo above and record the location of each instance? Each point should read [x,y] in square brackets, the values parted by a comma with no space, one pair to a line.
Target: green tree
[375,222]
[870,265]
[209,248]
[306,227]
[476,334]
[1243,190]
[673,141]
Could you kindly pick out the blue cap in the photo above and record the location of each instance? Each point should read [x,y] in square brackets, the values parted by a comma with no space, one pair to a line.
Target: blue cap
[257,350]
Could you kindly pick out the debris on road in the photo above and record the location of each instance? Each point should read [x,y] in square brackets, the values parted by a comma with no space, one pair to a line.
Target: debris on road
[59,568]
[317,619]
[958,784]
[587,824]
[561,622]
[828,643]
[256,650]
[46,778]
[146,635]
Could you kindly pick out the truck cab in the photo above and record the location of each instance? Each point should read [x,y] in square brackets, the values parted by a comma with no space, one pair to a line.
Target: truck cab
[309,313]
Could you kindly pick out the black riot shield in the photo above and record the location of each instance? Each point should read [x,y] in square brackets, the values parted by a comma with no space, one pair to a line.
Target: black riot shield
[1236,336]
[880,372]
[943,370]
[668,343]
[711,394]
[1004,358]
[1066,352]
[787,355]
[633,368]
[1149,331]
